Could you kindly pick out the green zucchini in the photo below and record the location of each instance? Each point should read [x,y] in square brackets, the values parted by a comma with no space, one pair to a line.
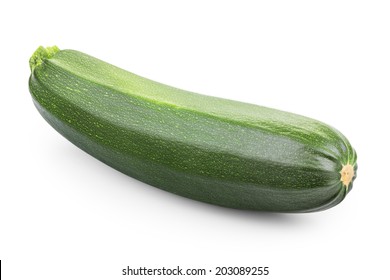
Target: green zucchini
[205,148]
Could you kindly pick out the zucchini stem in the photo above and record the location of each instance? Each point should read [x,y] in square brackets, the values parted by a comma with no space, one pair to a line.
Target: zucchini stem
[42,54]
[347,174]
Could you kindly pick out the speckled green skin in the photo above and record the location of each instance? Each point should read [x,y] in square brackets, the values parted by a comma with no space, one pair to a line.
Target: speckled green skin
[214,150]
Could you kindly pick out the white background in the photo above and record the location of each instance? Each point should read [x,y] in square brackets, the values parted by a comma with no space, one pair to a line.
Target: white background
[65,215]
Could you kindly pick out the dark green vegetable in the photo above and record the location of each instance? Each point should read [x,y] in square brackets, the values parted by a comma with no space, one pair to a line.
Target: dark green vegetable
[210,149]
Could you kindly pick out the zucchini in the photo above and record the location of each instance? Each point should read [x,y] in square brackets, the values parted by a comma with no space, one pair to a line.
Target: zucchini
[214,150]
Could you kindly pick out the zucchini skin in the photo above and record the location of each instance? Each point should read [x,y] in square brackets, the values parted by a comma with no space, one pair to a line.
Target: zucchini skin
[214,150]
